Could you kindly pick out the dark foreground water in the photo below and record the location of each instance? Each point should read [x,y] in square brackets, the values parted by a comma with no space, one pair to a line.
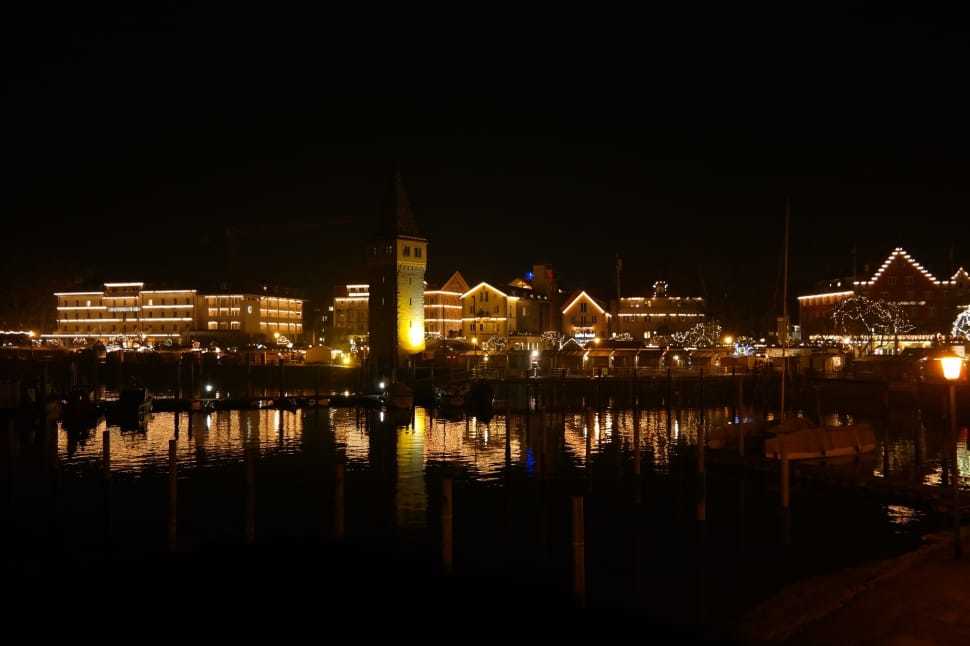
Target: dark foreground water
[72,533]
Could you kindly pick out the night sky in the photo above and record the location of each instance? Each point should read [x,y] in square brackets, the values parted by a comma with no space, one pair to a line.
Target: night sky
[190,146]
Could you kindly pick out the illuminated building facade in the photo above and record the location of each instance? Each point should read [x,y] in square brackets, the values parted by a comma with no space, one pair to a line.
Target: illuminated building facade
[584,318]
[442,307]
[350,310]
[930,305]
[397,258]
[488,311]
[644,317]
[124,312]
[255,315]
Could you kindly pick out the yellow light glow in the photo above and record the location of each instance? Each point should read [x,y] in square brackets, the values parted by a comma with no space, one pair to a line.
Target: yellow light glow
[474,340]
[952,367]
[596,340]
[276,335]
[416,337]
[728,340]
[346,360]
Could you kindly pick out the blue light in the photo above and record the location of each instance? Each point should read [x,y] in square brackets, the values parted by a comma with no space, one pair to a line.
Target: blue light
[530,461]
[529,276]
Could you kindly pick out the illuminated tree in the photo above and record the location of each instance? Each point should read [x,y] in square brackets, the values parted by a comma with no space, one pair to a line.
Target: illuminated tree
[865,318]
[702,335]
[961,326]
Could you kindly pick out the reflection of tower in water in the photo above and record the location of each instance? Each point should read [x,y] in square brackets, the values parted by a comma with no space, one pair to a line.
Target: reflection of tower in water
[382,457]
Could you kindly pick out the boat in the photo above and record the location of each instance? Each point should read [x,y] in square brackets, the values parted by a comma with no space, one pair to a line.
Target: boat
[480,400]
[133,408]
[78,410]
[821,442]
[399,396]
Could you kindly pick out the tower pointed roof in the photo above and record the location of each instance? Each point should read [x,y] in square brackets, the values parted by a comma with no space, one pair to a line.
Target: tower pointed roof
[396,216]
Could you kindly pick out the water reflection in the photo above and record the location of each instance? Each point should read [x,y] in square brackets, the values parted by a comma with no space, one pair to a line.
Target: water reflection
[910,448]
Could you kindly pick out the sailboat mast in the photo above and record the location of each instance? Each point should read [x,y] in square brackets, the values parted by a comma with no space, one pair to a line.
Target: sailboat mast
[784,316]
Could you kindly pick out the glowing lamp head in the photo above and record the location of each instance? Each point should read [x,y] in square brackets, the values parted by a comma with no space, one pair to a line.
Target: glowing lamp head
[728,340]
[535,354]
[474,340]
[952,367]
[381,385]
[276,335]
[596,340]
[208,388]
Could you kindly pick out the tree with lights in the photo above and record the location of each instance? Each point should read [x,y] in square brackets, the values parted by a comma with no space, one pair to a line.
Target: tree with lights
[865,318]
[961,326]
[701,335]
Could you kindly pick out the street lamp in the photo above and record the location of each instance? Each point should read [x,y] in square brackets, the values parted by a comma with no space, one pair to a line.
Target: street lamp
[952,372]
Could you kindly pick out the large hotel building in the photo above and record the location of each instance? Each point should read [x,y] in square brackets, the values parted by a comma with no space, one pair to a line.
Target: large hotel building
[127,311]
[930,304]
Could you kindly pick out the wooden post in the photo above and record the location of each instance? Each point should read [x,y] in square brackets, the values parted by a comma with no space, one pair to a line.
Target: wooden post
[636,456]
[735,408]
[106,454]
[338,502]
[701,474]
[670,387]
[172,497]
[579,551]
[178,378]
[785,474]
[282,387]
[250,496]
[701,396]
[447,527]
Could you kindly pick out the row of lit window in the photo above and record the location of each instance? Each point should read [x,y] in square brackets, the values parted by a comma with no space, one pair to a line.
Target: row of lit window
[121,328]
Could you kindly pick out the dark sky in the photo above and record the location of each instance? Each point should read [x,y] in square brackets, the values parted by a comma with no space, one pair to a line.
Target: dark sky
[147,146]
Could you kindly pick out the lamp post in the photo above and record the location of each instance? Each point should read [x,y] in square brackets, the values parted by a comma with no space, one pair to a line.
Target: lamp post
[952,372]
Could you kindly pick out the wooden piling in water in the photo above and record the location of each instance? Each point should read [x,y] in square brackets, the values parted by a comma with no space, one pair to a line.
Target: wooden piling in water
[172,497]
[250,530]
[338,502]
[785,475]
[447,525]
[701,474]
[106,454]
[579,551]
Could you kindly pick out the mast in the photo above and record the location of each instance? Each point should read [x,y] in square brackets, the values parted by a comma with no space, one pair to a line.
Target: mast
[784,317]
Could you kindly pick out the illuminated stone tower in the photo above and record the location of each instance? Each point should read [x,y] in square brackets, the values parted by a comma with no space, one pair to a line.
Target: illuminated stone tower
[396,261]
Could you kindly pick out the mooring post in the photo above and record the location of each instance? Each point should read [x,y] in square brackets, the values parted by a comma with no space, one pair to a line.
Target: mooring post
[785,474]
[447,528]
[338,502]
[178,377]
[700,395]
[735,408]
[670,389]
[636,456]
[701,474]
[282,386]
[250,495]
[106,454]
[172,497]
[579,551]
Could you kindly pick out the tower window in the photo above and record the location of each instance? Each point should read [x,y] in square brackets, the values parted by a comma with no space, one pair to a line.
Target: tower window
[407,251]
[417,252]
